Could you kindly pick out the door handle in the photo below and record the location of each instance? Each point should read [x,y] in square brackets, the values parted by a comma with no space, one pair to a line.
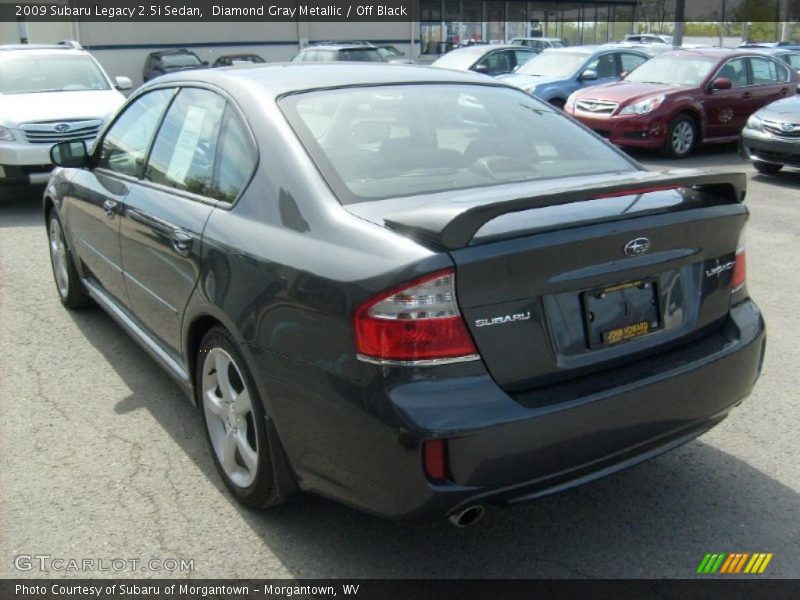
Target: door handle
[182,241]
[747,95]
[110,207]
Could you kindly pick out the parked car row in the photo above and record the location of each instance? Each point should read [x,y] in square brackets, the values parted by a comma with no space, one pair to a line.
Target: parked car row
[678,100]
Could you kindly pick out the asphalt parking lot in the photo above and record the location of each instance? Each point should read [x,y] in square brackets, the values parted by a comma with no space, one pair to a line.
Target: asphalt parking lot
[103,457]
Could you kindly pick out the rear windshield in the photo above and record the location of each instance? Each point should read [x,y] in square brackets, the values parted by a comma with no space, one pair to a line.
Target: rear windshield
[360,55]
[388,141]
[180,60]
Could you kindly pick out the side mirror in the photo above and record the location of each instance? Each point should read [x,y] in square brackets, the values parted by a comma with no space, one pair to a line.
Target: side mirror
[482,69]
[123,83]
[588,75]
[70,154]
[721,83]
[624,74]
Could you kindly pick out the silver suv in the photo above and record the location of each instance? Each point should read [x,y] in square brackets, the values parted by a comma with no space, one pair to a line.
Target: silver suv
[49,94]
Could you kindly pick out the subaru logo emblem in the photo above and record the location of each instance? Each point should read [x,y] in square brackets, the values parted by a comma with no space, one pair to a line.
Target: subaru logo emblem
[787,127]
[62,128]
[637,247]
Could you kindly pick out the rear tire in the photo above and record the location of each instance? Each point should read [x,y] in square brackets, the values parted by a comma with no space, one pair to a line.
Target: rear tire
[68,284]
[765,167]
[234,419]
[681,137]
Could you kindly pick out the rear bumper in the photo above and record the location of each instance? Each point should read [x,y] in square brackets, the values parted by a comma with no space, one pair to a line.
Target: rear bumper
[504,449]
[767,148]
[635,131]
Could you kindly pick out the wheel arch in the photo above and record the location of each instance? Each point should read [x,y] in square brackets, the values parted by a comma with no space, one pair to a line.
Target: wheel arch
[196,330]
[696,115]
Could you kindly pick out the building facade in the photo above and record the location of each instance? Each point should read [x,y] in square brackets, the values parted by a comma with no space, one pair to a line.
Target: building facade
[122,47]
[446,23]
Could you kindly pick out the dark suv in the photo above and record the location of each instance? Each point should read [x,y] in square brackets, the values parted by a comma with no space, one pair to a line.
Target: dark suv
[169,61]
[353,52]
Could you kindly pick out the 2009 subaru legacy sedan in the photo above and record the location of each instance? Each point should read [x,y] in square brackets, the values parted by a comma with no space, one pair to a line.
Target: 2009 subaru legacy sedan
[413,290]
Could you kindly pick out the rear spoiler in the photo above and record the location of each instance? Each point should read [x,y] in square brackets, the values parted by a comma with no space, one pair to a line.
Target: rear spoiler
[452,223]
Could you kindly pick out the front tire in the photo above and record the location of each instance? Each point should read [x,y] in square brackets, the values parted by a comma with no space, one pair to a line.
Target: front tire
[559,103]
[234,420]
[765,167]
[68,284]
[681,137]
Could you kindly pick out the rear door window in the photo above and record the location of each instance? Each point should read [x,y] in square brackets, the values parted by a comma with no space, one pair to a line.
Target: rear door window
[184,151]
[768,72]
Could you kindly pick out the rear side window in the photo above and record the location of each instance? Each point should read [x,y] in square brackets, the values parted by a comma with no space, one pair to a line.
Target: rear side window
[184,152]
[236,159]
[388,141]
[794,60]
[124,147]
[629,61]
[767,72]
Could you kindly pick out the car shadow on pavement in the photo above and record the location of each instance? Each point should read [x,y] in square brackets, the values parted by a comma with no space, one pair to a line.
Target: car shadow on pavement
[21,208]
[655,520]
[786,178]
[712,155]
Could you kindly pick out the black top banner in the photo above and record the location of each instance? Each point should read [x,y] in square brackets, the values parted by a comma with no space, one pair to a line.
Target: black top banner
[728,11]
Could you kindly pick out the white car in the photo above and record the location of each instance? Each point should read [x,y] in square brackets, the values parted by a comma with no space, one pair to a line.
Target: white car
[49,94]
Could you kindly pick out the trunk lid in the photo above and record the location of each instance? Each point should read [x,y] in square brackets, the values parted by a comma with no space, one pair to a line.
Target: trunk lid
[574,276]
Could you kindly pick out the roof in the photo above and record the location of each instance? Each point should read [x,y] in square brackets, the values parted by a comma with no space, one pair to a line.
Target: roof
[277,79]
[773,51]
[483,48]
[716,53]
[26,47]
[339,46]
[30,50]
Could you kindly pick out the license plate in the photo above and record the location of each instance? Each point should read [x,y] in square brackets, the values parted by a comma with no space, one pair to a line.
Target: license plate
[622,312]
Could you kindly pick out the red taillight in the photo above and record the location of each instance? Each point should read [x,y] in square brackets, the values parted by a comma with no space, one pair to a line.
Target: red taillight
[419,321]
[434,459]
[739,269]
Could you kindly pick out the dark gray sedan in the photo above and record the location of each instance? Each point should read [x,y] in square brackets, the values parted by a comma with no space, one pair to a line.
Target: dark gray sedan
[413,290]
[771,138]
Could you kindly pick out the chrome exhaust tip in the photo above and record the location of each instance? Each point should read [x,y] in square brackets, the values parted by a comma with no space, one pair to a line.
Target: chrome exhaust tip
[468,516]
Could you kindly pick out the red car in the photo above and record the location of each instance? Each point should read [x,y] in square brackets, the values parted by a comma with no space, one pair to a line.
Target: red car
[680,99]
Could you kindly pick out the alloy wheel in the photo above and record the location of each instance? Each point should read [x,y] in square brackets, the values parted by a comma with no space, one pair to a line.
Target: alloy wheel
[682,137]
[59,258]
[230,417]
